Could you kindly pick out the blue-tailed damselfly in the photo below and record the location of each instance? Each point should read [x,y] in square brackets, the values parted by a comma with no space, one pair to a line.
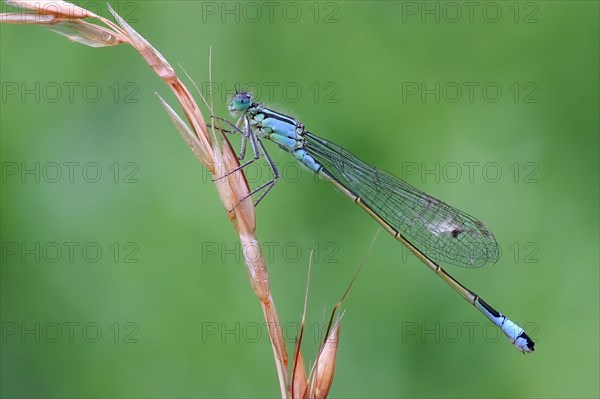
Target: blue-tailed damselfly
[431,229]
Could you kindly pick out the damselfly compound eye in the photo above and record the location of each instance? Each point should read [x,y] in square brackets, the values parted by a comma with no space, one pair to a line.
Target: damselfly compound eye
[240,102]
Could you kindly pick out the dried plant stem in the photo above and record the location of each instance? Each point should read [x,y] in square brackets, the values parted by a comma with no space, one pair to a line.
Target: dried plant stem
[217,155]
[213,151]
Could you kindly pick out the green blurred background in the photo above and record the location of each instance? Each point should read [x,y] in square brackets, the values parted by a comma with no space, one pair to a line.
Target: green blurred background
[166,308]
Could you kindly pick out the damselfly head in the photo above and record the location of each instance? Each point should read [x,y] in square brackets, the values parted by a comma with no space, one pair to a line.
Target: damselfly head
[240,102]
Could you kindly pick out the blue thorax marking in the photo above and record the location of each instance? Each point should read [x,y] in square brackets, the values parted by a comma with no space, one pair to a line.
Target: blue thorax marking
[282,130]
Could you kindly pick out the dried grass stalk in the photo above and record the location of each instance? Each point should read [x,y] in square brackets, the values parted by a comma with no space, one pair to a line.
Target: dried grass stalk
[217,155]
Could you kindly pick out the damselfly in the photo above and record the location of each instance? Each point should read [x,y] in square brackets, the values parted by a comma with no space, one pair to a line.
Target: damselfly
[431,229]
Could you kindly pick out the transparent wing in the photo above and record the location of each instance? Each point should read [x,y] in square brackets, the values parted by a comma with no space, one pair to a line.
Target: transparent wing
[440,231]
